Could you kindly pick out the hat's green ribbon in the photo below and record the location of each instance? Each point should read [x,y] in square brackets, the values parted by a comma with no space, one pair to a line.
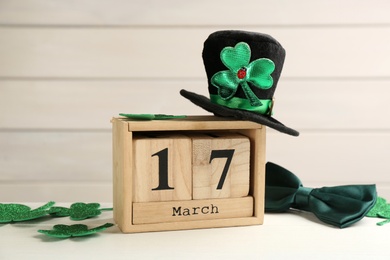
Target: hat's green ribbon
[340,206]
[244,104]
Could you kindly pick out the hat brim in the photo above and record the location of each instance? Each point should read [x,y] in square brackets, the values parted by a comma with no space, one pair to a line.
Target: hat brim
[218,110]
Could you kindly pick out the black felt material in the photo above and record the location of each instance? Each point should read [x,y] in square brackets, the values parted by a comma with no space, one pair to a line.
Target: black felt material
[262,46]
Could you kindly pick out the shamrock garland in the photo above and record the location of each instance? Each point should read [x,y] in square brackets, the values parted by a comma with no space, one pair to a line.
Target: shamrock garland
[240,72]
[77,230]
[78,211]
[18,212]
[381,209]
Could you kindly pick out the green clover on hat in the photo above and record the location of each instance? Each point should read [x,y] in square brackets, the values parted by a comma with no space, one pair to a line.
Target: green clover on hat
[240,72]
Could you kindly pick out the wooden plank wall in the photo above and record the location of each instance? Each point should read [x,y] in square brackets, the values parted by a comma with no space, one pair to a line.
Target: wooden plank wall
[67,67]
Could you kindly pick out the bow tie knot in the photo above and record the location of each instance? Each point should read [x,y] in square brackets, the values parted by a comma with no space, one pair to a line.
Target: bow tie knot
[302,197]
[339,206]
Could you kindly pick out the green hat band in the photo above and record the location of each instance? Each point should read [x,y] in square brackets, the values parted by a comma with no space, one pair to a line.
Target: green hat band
[244,104]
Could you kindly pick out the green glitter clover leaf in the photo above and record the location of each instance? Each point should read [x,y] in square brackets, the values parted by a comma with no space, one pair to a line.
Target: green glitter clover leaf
[78,211]
[77,230]
[240,72]
[151,116]
[19,212]
[381,209]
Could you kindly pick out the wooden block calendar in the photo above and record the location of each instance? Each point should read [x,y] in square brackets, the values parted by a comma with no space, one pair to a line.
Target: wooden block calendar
[196,172]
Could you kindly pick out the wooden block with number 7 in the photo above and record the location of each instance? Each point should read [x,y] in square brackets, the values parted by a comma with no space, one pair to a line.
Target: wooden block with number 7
[162,168]
[220,166]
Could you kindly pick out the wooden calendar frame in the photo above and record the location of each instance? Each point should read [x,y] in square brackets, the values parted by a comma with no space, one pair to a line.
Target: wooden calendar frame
[123,130]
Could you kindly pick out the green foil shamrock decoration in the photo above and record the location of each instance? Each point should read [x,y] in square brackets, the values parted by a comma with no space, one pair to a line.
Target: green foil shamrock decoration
[381,209]
[78,211]
[240,72]
[151,116]
[77,230]
[19,212]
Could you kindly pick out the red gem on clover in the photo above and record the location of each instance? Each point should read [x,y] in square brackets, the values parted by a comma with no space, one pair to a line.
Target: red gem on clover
[241,73]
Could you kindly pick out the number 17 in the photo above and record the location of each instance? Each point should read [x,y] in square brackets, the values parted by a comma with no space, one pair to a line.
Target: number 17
[163,167]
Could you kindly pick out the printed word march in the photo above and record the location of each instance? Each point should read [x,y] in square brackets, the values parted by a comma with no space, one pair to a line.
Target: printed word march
[179,211]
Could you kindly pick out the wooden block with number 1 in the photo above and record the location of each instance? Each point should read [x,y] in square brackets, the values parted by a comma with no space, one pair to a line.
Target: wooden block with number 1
[162,168]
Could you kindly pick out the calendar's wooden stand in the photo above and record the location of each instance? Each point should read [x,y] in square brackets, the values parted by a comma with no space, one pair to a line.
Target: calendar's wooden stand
[124,206]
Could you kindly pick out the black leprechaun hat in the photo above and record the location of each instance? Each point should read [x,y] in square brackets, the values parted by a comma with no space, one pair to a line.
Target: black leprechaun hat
[243,70]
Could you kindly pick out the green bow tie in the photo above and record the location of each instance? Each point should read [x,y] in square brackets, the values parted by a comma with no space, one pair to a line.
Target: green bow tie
[340,206]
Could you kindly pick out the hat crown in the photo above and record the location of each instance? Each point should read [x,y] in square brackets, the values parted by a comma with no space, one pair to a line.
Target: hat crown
[238,51]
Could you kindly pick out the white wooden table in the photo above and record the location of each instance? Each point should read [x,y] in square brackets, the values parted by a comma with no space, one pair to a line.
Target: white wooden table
[293,235]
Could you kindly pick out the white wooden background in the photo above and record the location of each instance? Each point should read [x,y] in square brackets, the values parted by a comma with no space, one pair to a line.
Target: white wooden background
[68,66]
